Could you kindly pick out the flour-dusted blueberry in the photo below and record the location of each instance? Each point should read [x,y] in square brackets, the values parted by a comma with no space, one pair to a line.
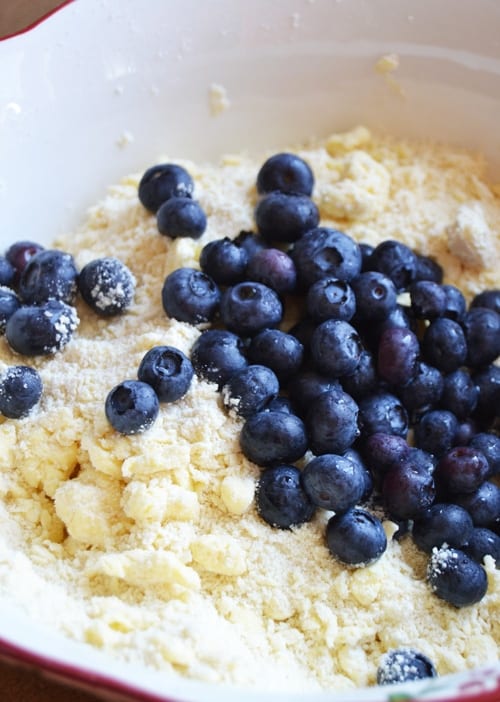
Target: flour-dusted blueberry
[275,269]
[442,523]
[280,498]
[107,286]
[249,307]
[404,665]
[482,334]
[376,295]
[489,445]
[398,355]
[35,330]
[286,172]
[488,402]
[168,370]
[364,381]
[304,387]
[333,482]
[250,389]
[9,303]
[435,432]
[444,345]
[483,542]
[428,299]
[408,490]
[356,537]
[285,217]
[483,504]
[270,438]
[224,261]
[336,348]
[325,252]
[281,352]
[383,413]
[181,217]
[131,407]
[20,390]
[428,269]
[191,296]
[7,273]
[395,260]
[19,253]
[462,469]
[456,578]
[422,392]
[487,298]
[460,393]
[332,422]
[162,182]
[330,298]
[49,274]
[217,354]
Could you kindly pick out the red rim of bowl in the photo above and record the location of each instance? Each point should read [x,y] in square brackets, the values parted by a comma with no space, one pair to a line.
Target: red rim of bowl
[36,22]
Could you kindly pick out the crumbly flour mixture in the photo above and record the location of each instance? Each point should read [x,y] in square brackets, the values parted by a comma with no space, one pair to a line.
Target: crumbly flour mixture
[149,546]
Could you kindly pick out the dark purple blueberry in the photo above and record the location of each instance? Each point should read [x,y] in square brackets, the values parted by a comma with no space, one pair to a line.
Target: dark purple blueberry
[191,296]
[488,382]
[404,665]
[19,253]
[9,303]
[442,524]
[224,261]
[376,295]
[462,469]
[286,172]
[35,330]
[306,386]
[398,354]
[435,431]
[383,413]
[250,242]
[364,380]
[249,307]
[270,438]
[487,298]
[332,422]
[428,269]
[303,331]
[423,391]
[460,394]
[336,348]
[279,404]
[428,299]
[444,345]
[20,390]
[285,217]
[354,456]
[250,389]
[330,298]
[455,578]
[383,451]
[324,252]
[483,542]
[275,269]
[395,260]
[466,430]
[107,286]
[217,354]
[7,273]
[489,445]
[356,537]
[281,352]
[280,498]
[408,490]
[455,305]
[482,334]
[168,370]
[333,482]
[181,217]
[483,504]
[366,252]
[49,274]
[162,182]
[131,407]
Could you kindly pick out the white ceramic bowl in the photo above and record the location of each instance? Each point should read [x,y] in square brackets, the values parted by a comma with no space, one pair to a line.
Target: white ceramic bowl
[102,87]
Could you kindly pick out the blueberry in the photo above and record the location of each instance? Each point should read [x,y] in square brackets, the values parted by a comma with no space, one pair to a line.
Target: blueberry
[279,404]
[376,295]
[482,334]
[275,269]
[281,352]
[19,253]
[162,182]
[436,431]
[191,296]
[364,381]
[168,370]
[428,299]
[306,386]
[250,242]
[250,389]
[460,394]
[398,354]
[332,422]
[366,252]
[280,499]
[285,172]
[181,217]
[487,298]
[330,298]
[7,273]
[462,469]
[355,457]
[247,308]
[107,286]
[270,438]
[488,382]
[336,348]
[41,329]
[442,524]
[483,542]
[325,252]
[408,489]
[131,407]
[9,303]
[483,504]
[333,482]
[217,354]
[455,304]
[383,451]
[356,537]
[20,390]
[382,412]
[489,445]
[444,345]
[403,665]
[456,578]
[224,261]
[428,269]
[49,274]
[423,391]
[395,260]
[285,217]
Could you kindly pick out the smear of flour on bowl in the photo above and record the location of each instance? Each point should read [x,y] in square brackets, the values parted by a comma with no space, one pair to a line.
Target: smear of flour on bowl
[386,66]
[218,99]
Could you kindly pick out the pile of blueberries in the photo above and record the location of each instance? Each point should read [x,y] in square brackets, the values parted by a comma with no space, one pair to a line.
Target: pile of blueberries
[396,396]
